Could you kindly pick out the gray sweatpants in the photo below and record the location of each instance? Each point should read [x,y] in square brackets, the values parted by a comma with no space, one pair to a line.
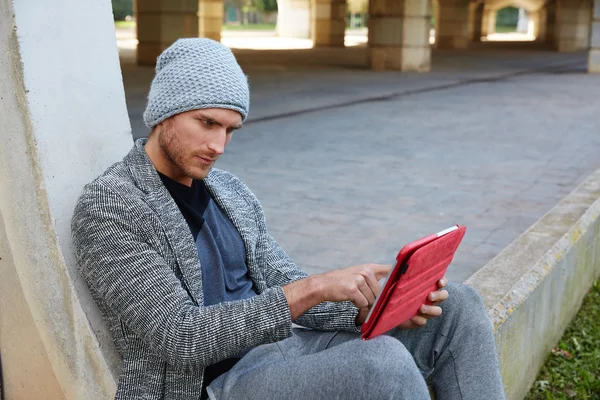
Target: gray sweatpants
[455,351]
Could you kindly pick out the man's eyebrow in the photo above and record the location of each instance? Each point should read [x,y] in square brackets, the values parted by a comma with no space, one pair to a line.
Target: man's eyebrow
[214,121]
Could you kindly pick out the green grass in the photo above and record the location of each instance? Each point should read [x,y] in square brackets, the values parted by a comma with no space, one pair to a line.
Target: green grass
[505,29]
[125,24]
[264,27]
[572,370]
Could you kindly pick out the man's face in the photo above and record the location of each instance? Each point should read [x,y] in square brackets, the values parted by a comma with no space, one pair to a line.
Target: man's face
[192,141]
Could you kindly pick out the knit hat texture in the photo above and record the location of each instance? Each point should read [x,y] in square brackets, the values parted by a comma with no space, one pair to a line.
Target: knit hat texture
[193,74]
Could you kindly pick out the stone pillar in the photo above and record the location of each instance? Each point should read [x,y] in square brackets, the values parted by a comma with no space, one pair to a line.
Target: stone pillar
[488,25]
[573,19]
[210,19]
[452,24]
[293,18]
[550,28]
[399,35]
[64,121]
[160,23]
[328,22]
[476,21]
[594,58]
[539,25]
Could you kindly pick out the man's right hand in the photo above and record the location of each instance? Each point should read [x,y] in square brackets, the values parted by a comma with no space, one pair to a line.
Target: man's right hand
[358,284]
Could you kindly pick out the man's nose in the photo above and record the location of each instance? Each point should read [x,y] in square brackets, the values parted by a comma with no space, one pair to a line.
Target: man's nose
[217,144]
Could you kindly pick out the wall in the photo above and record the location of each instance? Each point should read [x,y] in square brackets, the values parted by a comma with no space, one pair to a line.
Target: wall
[27,372]
[64,120]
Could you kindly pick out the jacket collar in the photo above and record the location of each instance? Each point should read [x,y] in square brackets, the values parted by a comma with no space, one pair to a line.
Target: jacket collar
[175,227]
[144,174]
[147,179]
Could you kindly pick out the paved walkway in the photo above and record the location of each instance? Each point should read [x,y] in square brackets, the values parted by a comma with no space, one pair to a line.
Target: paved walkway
[365,162]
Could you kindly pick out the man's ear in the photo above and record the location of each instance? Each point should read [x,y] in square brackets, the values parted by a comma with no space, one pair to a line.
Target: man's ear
[155,129]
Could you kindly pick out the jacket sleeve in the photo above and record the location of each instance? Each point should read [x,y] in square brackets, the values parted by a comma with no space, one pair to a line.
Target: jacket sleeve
[280,270]
[125,272]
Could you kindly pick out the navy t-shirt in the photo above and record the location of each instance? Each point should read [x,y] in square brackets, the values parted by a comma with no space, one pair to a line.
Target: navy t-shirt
[220,250]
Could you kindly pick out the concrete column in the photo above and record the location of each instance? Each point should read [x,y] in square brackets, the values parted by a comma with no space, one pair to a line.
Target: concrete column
[293,18]
[210,19]
[476,21]
[64,121]
[539,25]
[160,23]
[452,29]
[550,28]
[399,35]
[488,25]
[573,25]
[328,22]
[594,58]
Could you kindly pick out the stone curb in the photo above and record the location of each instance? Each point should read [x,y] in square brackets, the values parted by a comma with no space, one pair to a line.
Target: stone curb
[535,286]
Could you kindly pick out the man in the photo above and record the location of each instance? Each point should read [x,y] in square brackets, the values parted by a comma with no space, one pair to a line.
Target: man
[200,299]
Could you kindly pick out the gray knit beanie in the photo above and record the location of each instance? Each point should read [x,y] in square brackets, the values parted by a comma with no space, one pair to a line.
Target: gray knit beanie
[196,73]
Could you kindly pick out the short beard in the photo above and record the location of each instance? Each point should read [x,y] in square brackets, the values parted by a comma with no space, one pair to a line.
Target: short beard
[175,150]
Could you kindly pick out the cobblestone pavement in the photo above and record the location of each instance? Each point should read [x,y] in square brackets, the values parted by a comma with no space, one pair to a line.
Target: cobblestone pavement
[386,158]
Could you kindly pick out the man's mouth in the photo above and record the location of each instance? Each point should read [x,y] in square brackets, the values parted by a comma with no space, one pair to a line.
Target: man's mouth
[206,161]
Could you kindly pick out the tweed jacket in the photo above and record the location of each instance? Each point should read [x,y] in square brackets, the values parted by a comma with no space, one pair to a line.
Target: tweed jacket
[137,255]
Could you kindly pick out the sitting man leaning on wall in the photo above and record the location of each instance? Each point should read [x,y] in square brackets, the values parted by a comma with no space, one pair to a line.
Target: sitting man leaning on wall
[200,298]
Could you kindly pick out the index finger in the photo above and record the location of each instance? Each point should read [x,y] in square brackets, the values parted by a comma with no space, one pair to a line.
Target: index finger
[372,281]
[380,270]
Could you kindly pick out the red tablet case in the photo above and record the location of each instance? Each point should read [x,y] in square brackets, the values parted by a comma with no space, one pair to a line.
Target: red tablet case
[419,266]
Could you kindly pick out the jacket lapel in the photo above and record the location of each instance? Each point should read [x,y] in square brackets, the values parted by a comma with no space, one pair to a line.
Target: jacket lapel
[175,227]
[242,215]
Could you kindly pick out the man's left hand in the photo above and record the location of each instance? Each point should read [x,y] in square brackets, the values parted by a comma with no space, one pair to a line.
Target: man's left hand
[428,311]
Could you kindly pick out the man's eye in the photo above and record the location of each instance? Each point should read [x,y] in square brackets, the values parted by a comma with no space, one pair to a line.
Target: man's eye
[208,122]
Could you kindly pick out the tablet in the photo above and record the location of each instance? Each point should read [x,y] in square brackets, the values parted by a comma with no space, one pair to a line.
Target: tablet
[419,266]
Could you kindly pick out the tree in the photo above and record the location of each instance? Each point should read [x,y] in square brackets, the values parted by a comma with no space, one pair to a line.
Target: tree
[121,9]
[508,16]
[268,5]
[254,5]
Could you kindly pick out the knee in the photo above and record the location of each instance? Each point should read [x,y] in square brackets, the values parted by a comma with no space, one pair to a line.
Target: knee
[384,348]
[462,296]
[392,370]
[388,358]
[464,302]
[381,367]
